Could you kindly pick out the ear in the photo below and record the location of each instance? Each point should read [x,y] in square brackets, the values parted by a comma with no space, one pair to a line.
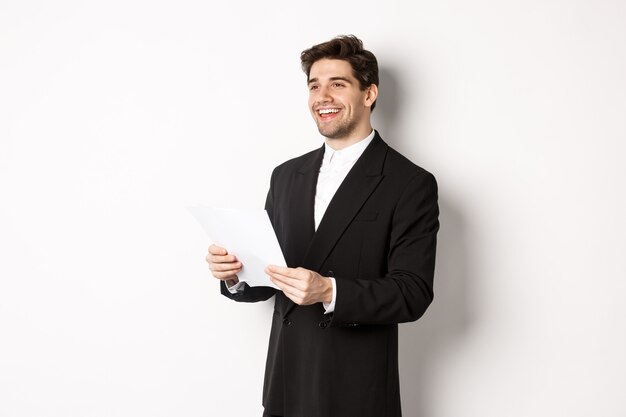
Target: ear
[371,95]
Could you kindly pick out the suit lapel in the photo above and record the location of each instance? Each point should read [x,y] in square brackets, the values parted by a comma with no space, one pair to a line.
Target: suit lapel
[301,225]
[301,206]
[354,191]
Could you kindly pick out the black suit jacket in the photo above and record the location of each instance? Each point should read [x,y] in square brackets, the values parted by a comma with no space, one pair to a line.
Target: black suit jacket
[378,239]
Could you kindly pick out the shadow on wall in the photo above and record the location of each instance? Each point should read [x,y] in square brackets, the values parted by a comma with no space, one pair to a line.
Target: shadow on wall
[388,105]
[447,320]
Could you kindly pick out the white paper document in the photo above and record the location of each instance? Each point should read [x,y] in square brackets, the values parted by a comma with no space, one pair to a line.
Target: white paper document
[247,234]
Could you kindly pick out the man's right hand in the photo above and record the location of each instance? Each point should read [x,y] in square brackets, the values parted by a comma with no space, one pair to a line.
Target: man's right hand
[223,265]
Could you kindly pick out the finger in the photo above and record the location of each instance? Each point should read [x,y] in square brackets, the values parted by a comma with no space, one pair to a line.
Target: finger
[283,270]
[294,295]
[286,280]
[224,276]
[300,274]
[302,281]
[296,288]
[279,282]
[225,266]
[294,299]
[283,284]
[221,259]
[231,271]
[217,250]
[292,273]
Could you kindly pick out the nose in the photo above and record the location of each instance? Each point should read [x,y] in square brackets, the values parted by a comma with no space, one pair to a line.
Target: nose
[323,95]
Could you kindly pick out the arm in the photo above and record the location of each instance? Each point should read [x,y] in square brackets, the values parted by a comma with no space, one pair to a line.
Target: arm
[248,294]
[225,266]
[406,290]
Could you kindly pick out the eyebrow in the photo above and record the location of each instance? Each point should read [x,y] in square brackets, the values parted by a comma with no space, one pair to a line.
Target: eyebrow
[314,80]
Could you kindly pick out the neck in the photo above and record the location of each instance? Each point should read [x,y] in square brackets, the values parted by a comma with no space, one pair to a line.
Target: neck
[355,136]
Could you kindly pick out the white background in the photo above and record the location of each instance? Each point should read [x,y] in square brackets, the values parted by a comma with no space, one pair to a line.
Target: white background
[115,116]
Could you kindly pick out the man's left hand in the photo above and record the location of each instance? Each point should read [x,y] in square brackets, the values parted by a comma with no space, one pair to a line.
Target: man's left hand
[301,285]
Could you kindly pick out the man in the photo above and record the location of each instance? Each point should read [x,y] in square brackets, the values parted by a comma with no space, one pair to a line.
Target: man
[357,223]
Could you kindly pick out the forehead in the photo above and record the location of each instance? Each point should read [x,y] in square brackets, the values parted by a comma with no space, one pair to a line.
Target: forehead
[330,68]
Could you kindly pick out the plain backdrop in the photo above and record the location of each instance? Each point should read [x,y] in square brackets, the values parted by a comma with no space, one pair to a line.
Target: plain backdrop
[115,116]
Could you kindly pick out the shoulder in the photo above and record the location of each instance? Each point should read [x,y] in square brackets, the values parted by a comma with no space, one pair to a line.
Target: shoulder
[401,169]
[302,164]
[415,189]
[299,162]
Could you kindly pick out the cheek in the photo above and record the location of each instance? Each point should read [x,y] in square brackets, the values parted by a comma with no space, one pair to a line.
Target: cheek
[354,100]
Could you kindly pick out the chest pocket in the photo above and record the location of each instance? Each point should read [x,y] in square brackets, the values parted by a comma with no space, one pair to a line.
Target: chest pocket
[366,216]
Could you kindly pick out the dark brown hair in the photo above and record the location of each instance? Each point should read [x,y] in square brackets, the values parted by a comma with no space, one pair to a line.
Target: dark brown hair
[347,48]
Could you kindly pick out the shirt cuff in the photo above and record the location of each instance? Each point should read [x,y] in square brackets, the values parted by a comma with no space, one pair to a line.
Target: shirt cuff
[235,288]
[330,307]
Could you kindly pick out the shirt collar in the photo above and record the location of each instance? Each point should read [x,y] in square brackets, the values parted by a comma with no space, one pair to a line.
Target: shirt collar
[349,154]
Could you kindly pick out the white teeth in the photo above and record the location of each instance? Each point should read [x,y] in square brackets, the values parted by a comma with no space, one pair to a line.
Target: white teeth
[327,111]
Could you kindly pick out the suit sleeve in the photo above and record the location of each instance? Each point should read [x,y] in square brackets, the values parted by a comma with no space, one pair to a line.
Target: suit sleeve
[254,294]
[406,291]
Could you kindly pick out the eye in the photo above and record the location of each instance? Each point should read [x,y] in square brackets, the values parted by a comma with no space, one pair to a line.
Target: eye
[314,87]
[338,85]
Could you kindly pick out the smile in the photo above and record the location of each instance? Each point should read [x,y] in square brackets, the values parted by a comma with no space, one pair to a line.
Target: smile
[327,114]
[327,111]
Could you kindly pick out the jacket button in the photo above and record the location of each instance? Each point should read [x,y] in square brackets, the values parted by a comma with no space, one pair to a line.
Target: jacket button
[287,322]
[323,324]
[331,273]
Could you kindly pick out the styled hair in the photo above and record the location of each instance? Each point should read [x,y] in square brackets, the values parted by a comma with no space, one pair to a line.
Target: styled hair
[347,48]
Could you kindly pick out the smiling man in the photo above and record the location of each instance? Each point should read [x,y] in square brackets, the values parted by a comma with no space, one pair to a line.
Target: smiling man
[340,107]
[357,223]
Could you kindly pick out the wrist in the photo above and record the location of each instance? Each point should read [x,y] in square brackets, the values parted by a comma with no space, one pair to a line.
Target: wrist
[232,281]
[328,291]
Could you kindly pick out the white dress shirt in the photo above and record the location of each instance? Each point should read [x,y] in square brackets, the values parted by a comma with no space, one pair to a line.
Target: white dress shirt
[334,169]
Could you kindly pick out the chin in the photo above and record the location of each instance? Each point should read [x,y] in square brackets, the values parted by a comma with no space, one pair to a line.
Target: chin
[337,132]
[330,134]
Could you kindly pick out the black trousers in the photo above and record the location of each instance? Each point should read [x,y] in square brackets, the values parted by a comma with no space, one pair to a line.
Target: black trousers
[266,414]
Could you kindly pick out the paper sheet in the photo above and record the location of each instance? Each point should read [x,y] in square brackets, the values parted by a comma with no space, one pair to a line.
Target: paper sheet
[247,234]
